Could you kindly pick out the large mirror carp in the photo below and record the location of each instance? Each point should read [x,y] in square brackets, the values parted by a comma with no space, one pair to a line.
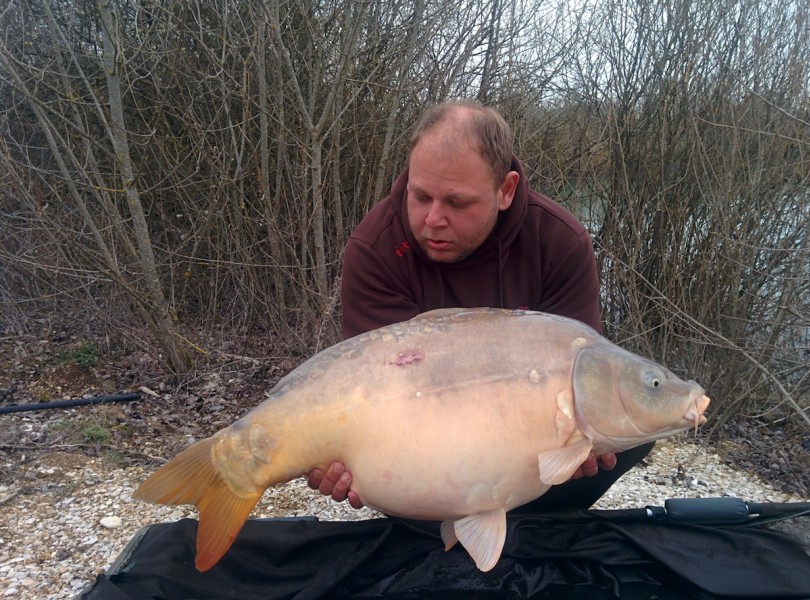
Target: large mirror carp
[457,415]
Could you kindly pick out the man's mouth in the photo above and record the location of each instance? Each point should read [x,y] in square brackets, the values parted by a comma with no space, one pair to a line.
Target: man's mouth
[434,244]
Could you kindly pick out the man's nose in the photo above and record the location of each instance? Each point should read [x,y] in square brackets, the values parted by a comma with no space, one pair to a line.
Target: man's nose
[436,216]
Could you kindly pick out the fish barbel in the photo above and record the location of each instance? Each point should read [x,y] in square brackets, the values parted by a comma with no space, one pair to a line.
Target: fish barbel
[457,415]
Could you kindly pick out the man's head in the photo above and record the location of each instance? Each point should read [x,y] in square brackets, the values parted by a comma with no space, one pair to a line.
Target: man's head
[459,178]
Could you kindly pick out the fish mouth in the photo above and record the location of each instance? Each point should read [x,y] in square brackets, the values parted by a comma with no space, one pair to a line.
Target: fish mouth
[697,408]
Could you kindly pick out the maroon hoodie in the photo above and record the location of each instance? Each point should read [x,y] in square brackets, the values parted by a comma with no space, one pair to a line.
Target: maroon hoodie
[538,257]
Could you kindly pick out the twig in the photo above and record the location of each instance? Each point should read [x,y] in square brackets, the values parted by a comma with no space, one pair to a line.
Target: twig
[708,330]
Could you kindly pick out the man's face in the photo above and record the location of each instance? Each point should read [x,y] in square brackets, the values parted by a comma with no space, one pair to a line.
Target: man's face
[453,199]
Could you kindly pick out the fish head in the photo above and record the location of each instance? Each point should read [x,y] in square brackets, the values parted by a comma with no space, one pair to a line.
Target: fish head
[623,400]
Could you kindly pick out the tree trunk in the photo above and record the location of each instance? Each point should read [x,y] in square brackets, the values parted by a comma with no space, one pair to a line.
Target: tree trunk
[160,317]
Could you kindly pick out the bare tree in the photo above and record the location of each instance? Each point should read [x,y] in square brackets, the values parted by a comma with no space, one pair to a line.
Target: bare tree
[207,161]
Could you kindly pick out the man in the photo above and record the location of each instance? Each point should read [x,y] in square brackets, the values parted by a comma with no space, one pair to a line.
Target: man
[462,228]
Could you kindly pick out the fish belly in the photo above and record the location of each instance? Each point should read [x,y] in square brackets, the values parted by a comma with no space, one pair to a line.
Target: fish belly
[451,457]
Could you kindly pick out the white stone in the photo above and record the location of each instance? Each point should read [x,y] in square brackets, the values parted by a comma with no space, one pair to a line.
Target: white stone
[111,522]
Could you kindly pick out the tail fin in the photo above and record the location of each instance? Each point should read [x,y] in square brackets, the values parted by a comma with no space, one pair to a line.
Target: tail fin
[190,478]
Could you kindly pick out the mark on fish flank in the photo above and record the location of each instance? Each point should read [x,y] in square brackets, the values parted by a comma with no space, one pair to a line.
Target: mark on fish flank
[464,315]
[406,358]
[535,376]
[580,341]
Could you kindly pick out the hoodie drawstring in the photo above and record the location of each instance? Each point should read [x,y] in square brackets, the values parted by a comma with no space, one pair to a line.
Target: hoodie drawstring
[439,284]
[499,282]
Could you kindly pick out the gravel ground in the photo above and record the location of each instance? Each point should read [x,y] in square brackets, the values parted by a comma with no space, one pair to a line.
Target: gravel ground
[66,517]
[67,476]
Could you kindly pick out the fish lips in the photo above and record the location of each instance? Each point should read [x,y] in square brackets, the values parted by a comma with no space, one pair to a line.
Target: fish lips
[696,413]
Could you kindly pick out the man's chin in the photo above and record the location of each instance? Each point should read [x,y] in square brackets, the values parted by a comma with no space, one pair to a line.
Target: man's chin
[444,256]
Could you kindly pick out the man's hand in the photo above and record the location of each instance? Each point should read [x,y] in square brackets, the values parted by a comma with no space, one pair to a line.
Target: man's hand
[593,463]
[335,482]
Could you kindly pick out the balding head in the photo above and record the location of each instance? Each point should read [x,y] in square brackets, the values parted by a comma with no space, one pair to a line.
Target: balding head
[459,124]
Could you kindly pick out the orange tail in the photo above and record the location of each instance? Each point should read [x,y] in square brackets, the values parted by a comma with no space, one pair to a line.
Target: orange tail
[190,478]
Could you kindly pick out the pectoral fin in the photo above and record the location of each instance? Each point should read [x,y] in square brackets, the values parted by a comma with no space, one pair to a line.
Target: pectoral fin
[482,535]
[557,465]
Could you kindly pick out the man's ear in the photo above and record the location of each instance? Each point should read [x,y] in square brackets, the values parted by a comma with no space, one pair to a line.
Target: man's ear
[506,191]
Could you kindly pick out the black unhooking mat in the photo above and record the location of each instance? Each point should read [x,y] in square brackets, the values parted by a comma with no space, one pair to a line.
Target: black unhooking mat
[576,555]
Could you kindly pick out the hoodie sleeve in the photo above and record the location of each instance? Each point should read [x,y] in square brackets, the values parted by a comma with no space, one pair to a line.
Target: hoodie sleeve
[371,295]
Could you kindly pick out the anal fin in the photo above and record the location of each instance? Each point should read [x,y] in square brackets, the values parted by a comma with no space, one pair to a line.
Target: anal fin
[190,478]
[483,536]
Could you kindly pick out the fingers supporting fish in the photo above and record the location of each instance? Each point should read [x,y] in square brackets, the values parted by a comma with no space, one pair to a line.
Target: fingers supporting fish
[354,500]
[331,482]
[607,461]
[314,479]
[593,463]
[589,468]
[335,482]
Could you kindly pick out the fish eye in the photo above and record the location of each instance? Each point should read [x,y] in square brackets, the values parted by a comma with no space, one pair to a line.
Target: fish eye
[652,379]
